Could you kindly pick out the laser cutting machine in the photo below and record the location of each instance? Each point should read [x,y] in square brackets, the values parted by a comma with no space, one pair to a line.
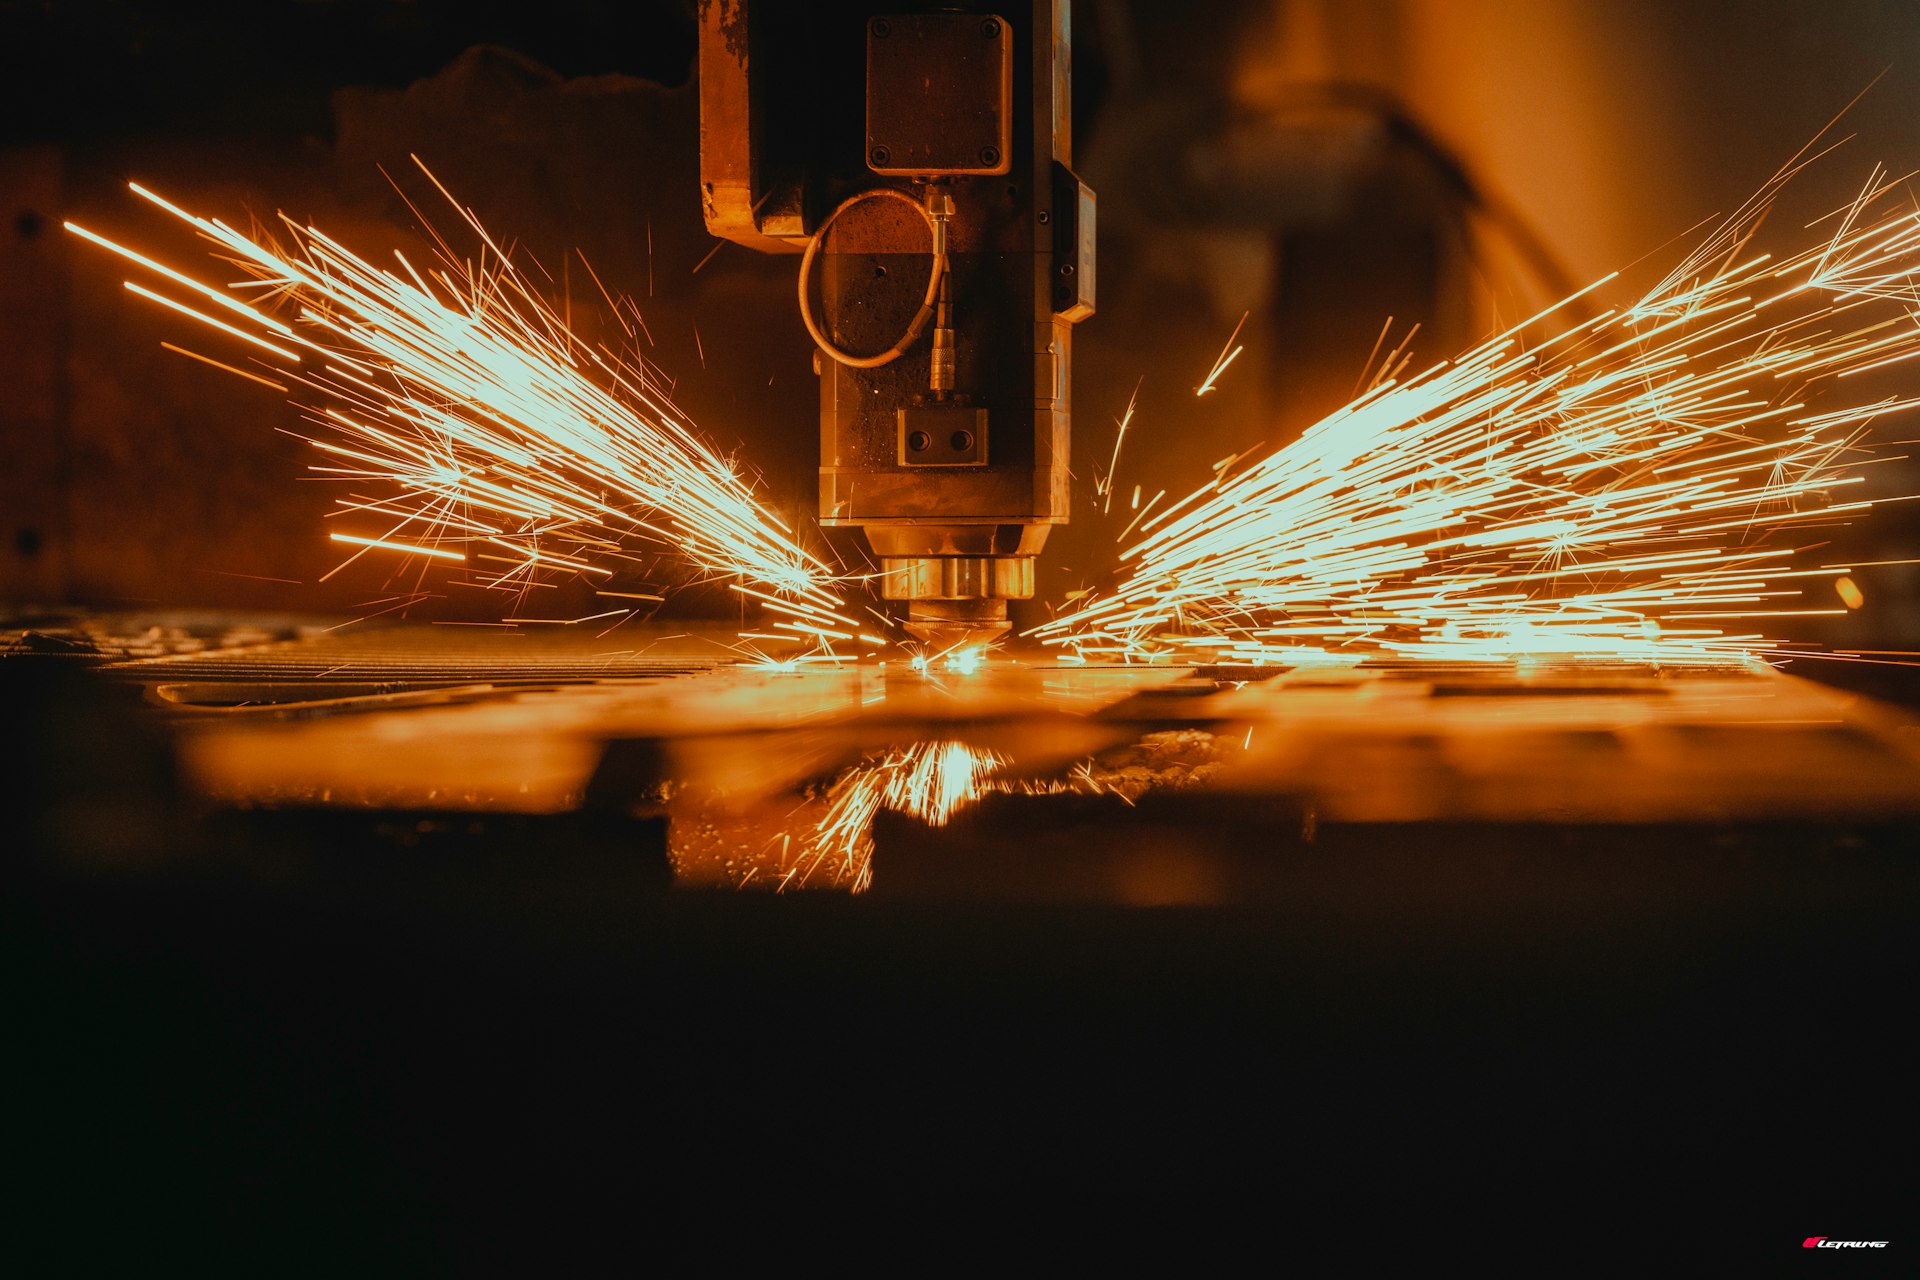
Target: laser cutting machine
[919,160]
[456,945]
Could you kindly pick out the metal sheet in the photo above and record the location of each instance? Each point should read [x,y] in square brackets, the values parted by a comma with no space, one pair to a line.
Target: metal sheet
[747,761]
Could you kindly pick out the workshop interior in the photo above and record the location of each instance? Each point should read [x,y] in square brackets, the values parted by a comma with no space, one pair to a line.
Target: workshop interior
[1026,631]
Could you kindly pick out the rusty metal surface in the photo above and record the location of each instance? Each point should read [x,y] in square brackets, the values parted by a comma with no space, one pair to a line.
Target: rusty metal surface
[731,199]
[939,94]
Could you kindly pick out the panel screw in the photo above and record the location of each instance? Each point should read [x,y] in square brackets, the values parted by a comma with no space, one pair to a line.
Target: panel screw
[1045,217]
[880,156]
[1062,294]
[1066,269]
[961,441]
[918,441]
[990,156]
[990,29]
[882,28]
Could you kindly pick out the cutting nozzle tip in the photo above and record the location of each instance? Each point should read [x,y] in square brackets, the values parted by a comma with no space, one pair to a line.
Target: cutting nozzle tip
[948,626]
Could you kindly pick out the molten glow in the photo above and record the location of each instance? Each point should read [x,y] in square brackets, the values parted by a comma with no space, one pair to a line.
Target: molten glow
[961,660]
[931,781]
[482,424]
[965,661]
[1607,491]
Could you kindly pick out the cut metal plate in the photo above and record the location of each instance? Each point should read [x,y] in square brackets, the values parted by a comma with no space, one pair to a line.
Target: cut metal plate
[396,659]
[748,761]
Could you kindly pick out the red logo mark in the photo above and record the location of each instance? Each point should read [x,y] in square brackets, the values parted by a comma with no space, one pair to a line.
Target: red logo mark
[1812,1242]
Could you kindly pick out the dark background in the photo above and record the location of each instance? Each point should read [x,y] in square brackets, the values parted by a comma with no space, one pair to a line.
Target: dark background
[280,1049]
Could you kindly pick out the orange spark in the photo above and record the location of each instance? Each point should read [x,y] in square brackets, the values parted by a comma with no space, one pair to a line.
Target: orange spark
[1612,491]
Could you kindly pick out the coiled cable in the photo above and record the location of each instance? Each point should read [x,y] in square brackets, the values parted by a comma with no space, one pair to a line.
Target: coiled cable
[936,226]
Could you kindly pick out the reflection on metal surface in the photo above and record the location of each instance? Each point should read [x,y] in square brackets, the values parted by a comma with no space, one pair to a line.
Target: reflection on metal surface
[826,839]
[930,781]
[824,777]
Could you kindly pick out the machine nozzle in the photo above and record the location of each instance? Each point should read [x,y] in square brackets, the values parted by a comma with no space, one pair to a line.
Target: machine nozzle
[956,601]
[945,626]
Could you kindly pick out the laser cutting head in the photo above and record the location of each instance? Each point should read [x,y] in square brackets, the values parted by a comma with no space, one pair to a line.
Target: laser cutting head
[919,158]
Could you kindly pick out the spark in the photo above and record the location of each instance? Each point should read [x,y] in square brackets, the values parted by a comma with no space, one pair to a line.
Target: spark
[966,661]
[1612,491]
[961,660]
[407,547]
[931,781]
[221,325]
[569,622]
[255,577]
[1103,487]
[1141,513]
[225,368]
[1226,358]
[460,393]
[718,245]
